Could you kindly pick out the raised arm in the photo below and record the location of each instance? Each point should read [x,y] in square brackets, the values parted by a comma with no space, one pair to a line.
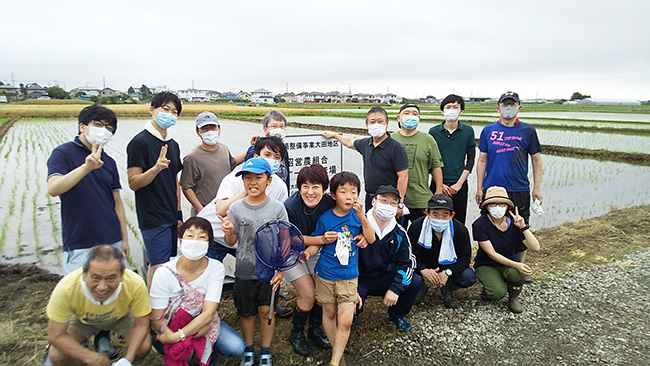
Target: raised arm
[347,141]
[139,178]
[59,184]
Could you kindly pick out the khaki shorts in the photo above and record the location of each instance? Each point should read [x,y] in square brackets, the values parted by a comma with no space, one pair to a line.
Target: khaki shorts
[301,269]
[119,326]
[336,292]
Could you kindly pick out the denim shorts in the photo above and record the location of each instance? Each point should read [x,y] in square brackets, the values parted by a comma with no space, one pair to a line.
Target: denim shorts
[160,242]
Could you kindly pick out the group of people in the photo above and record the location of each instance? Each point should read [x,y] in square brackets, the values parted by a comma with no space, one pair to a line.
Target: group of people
[405,230]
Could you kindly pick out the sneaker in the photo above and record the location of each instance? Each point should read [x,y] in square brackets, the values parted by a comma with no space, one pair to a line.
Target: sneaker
[103,344]
[423,291]
[528,279]
[247,359]
[355,320]
[282,312]
[46,358]
[448,298]
[402,324]
[265,360]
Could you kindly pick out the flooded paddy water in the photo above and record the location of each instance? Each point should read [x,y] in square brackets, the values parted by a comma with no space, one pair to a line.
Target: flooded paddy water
[30,222]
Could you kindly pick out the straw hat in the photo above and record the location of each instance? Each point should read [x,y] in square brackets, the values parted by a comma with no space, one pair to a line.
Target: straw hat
[496,195]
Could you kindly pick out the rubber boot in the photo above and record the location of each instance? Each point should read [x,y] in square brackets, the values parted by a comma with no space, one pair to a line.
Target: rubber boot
[297,336]
[514,289]
[315,331]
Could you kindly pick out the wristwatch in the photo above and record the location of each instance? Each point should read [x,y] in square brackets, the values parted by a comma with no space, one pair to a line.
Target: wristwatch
[400,205]
[448,272]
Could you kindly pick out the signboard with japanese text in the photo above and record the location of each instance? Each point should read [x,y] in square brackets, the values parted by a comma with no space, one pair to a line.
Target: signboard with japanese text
[305,150]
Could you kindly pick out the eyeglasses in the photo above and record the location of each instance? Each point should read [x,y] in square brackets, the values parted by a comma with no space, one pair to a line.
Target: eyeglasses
[100,124]
[384,201]
[510,103]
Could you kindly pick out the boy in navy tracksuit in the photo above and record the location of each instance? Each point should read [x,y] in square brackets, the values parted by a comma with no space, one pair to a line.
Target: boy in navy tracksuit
[387,268]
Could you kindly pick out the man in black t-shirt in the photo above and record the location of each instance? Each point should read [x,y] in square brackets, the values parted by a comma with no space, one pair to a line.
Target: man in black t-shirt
[153,165]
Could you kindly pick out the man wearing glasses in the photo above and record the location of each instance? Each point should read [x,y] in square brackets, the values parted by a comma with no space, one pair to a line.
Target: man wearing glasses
[503,158]
[86,179]
[274,124]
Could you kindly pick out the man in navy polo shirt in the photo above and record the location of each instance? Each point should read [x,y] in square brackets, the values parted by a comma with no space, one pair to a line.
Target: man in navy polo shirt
[385,161]
[86,180]
[153,163]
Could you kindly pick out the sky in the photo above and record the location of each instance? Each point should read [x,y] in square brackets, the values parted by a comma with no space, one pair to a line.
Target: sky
[540,49]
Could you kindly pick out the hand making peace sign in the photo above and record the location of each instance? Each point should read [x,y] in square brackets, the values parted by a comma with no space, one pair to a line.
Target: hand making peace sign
[94,159]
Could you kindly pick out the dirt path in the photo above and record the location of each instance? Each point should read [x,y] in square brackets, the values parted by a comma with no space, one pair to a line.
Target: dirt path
[588,305]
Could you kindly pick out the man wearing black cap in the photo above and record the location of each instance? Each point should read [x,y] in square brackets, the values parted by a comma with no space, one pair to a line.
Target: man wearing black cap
[386,268]
[205,167]
[442,249]
[424,159]
[503,158]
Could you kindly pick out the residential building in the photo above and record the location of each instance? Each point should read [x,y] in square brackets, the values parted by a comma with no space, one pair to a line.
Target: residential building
[108,92]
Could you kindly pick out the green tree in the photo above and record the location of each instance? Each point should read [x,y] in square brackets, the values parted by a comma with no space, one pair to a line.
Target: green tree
[79,93]
[23,90]
[57,92]
[145,91]
[579,96]
[131,90]
[94,99]
[1,83]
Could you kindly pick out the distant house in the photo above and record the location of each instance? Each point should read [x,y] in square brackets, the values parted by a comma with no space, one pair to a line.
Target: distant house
[108,92]
[3,99]
[242,95]
[288,97]
[88,92]
[13,92]
[230,95]
[213,96]
[262,99]
[594,101]
[194,95]
[35,91]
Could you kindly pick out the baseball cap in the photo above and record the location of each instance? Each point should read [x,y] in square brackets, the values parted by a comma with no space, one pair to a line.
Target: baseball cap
[510,95]
[388,189]
[441,201]
[206,118]
[255,165]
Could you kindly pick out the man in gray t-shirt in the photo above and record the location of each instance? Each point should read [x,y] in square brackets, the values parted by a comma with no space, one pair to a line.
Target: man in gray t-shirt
[206,165]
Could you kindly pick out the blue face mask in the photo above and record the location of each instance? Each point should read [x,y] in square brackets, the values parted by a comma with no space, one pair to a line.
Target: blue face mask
[410,122]
[439,225]
[165,120]
[274,165]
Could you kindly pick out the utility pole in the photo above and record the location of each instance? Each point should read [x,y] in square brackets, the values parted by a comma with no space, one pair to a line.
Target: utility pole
[104,81]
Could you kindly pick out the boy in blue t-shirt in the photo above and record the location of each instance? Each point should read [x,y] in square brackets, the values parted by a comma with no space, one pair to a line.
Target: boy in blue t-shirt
[336,270]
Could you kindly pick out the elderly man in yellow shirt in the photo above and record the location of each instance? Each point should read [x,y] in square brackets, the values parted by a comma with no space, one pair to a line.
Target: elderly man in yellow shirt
[101,296]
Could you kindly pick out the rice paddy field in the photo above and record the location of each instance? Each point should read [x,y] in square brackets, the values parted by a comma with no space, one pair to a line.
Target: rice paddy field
[30,222]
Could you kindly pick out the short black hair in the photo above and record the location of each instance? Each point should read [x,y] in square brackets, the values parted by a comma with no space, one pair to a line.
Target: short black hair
[199,223]
[163,98]
[273,143]
[341,178]
[98,113]
[451,98]
[314,173]
[377,110]
[105,253]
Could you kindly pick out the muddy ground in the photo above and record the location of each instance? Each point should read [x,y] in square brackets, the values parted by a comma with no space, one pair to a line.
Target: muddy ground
[588,305]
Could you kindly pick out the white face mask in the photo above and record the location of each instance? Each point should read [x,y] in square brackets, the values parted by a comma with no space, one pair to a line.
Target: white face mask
[451,115]
[98,135]
[497,211]
[509,111]
[278,132]
[194,249]
[211,137]
[376,130]
[385,212]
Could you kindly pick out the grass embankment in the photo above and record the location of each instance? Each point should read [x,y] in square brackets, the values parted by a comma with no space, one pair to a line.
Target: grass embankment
[571,246]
